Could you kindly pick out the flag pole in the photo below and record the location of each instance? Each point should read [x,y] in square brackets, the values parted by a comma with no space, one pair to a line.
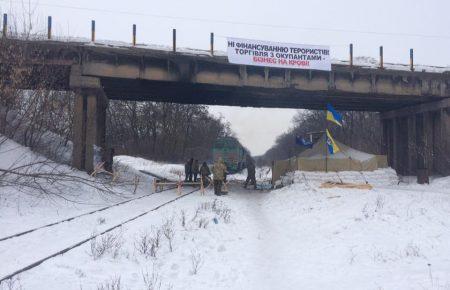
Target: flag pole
[326,154]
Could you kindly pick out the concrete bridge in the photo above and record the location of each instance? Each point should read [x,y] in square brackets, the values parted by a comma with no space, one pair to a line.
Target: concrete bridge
[414,105]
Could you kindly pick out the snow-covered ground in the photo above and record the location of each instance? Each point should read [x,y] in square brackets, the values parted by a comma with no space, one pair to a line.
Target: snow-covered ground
[168,171]
[298,237]
[380,177]
[261,173]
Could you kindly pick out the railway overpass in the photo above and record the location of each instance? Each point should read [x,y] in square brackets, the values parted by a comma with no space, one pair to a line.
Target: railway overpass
[414,105]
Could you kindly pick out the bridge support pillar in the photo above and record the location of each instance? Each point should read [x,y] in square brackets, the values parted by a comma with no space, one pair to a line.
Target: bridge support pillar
[417,139]
[402,145]
[442,144]
[423,143]
[79,131]
[411,145]
[89,130]
[89,122]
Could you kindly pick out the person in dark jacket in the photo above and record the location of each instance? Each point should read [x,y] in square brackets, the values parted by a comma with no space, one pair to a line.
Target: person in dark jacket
[191,163]
[205,173]
[251,172]
[195,169]
[188,170]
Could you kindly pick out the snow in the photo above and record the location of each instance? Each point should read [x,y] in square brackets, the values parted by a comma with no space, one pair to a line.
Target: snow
[168,171]
[379,177]
[395,236]
[22,208]
[349,153]
[370,62]
[261,174]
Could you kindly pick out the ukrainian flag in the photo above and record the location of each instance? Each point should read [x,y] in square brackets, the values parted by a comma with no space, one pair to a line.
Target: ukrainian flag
[332,146]
[333,116]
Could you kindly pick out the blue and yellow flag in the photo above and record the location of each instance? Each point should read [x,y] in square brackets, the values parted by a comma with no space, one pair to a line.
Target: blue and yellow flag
[332,146]
[333,116]
[302,141]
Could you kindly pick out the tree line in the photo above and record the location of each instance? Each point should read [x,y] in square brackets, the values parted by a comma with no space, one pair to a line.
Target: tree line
[163,131]
[360,130]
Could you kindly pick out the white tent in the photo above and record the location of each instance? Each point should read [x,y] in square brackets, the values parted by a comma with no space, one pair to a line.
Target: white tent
[347,159]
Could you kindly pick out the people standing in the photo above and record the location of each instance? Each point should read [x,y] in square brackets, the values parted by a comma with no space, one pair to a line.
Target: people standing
[195,169]
[191,161]
[188,170]
[219,170]
[205,173]
[251,172]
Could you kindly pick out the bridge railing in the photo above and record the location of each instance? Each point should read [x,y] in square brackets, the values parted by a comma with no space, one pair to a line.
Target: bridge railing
[49,36]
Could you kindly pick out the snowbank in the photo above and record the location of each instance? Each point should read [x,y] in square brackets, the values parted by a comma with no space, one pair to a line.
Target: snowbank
[261,174]
[297,237]
[168,171]
[385,238]
[24,206]
[380,177]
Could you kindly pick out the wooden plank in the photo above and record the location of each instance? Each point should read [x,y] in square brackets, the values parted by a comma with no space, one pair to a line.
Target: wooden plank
[154,175]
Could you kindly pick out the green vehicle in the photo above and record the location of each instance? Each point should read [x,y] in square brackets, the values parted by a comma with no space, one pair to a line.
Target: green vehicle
[232,153]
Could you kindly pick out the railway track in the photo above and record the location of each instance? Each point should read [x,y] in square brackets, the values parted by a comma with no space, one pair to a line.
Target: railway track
[80,215]
[83,241]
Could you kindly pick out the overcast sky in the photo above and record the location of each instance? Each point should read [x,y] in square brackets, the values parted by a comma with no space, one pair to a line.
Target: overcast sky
[398,25]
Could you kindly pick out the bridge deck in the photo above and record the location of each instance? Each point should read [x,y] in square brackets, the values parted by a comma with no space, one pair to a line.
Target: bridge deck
[193,76]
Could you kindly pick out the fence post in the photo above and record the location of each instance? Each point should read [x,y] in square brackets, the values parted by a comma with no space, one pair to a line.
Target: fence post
[49,28]
[351,54]
[174,39]
[381,57]
[134,34]
[5,25]
[411,59]
[212,43]
[93,30]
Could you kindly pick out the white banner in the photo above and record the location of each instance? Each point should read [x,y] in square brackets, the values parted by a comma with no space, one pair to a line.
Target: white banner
[274,54]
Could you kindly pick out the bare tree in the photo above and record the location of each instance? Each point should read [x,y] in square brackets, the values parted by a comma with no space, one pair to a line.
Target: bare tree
[163,131]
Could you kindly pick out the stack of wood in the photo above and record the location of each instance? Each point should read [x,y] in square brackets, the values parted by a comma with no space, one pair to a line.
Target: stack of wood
[330,184]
